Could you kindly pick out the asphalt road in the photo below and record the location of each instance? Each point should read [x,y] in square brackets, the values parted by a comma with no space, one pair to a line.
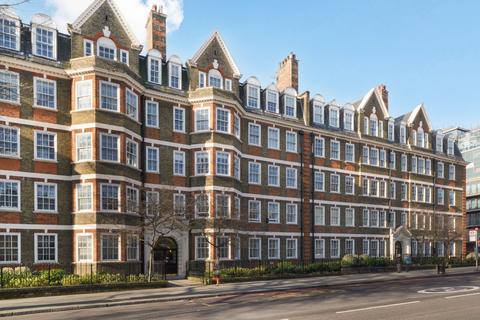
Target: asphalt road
[454,297]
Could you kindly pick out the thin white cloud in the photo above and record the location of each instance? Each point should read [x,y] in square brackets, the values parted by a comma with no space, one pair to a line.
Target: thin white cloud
[134,11]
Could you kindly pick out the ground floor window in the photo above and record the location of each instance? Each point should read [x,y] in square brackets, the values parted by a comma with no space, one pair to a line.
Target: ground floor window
[334,248]
[202,248]
[273,248]
[84,248]
[291,248]
[132,247]
[45,248]
[9,248]
[319,248]
[223,247]
[254,248]
[110,247]
[349,246]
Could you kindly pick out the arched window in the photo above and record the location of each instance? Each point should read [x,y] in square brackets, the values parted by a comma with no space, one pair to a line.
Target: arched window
[420,138]
[215,79]
[106,48]
[154,66]
[373,125]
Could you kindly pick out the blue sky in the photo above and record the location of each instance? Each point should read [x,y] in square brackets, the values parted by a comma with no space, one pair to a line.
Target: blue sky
[424,51]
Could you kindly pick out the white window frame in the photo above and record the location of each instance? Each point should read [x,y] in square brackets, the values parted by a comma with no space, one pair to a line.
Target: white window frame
[278,175]
[77,84]
[295,171]
[335,211]
[295,137]
[35,94]
[334,122]
[17,32]
[101,94]
[77,202]
[182,155]
[217,154]
[118,244]
[90,43]
[19,200]
[277,249]
[153,103]
[77,256]
[18,133]
[295,246]
[273,204]
[149,67]
[337,143]
[293,213]
[35,28]
[332,255]
[320,255]
[127,141]
[182,111]
[259,173]
[347,158]
[170,73]
[128,91]
[17,87]
[285,106]
[35,157]
[127,57]
[37,183]
[119,197]
[157,160]
[102,134]
[35,236]
[222,109]
[252,203]
[255,239]
[273,132]
[196,120]
[197,154]
[250,124]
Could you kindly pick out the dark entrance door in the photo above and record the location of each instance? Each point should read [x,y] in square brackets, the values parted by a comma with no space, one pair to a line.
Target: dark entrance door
[165,254]
[398,251]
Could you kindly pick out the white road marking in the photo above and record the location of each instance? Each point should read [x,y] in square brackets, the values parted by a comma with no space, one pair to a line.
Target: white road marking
[457,289]
[379,307]
[462,295]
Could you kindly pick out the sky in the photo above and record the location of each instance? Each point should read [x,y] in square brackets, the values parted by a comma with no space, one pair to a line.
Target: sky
[424,51]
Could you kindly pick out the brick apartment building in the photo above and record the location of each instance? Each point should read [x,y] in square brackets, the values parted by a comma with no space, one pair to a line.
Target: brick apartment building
[89,126]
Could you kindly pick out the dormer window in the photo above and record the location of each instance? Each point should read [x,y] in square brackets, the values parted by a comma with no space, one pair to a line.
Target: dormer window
[450,147]
[439,143]
[44,42]
[154,63]
[252,96]
[272,101]
[318,113]
[290,109]
[334,119]
[175,72]
[348,117]
[215,79]
[9,32]
[403,134]
[106,49]
[391,131]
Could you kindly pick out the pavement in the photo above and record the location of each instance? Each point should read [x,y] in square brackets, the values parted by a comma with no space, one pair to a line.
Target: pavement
[185,291]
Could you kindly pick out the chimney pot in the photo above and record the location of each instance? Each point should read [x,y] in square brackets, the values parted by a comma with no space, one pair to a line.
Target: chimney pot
[287,74]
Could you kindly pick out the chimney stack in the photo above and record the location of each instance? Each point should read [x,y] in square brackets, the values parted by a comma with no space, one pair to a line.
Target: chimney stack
[382,89]
[287,74]
[157,30]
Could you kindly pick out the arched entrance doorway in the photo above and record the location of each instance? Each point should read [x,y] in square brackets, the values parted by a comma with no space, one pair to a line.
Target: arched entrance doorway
[166,251]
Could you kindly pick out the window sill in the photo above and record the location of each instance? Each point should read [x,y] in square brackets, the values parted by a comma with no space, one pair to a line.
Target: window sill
[44,211]
[45,108]
[45,262]
[15,103]
[10,210]
[11,157]
[45,160]
[83,212]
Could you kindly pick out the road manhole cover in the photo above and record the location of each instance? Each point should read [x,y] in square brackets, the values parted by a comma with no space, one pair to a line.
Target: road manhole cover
[455,289]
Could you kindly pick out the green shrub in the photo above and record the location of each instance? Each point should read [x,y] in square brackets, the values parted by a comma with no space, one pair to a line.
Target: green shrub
[349,261]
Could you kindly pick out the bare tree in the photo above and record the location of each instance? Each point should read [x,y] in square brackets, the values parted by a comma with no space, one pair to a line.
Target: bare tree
[161,214]
[219,229]
[13,3]
[438,229]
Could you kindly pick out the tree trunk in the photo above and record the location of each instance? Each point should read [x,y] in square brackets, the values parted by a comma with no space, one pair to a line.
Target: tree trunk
[150,265]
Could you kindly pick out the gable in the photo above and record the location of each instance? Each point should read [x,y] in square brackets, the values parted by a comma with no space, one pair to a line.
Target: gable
[103,13]
[214,51]
[418,118]
[373,100]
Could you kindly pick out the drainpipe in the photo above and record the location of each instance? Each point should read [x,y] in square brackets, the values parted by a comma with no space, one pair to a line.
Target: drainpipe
[301,134]
[142,169]
[312,206]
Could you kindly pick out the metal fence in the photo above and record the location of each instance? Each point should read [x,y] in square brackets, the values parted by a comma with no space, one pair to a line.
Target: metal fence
[22,276]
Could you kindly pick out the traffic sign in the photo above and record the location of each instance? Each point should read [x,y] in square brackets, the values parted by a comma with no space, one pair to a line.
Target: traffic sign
[472,235]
